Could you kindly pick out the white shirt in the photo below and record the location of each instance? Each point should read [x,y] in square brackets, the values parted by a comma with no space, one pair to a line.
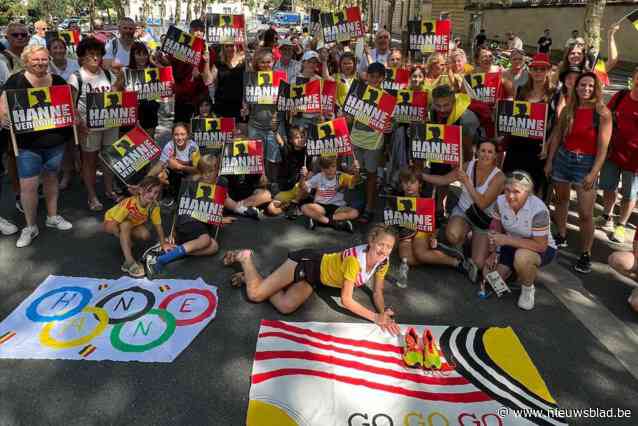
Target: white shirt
[376,57]
[515,43]
[292,70]
[4,72]
[183,155]
[90,83]
[465,200]
[71,66]
[36,40]
[532,220]
[327,189]
[122,54]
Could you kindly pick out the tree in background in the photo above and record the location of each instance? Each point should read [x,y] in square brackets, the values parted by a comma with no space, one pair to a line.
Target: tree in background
[593,16]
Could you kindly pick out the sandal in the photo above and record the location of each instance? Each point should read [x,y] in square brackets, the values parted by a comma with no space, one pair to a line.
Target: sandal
[134,269]
[95,205]
[237,280]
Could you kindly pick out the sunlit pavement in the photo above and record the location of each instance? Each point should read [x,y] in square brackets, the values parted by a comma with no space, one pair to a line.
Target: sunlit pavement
[581,334]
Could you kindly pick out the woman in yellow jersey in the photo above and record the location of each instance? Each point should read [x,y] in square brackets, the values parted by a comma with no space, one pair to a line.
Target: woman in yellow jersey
[127,218]
[346,75]
[305,270]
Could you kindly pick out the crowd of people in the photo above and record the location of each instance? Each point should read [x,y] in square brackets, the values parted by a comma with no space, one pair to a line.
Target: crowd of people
[501,221]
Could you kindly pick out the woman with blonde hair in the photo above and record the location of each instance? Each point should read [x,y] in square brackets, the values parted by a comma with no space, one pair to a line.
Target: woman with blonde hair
[577,151]
[40,153]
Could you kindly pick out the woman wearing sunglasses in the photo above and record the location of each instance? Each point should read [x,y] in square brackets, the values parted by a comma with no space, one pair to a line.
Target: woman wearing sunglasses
[519,238]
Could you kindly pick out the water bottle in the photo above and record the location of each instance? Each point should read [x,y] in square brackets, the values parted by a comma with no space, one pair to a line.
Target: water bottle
[402,279]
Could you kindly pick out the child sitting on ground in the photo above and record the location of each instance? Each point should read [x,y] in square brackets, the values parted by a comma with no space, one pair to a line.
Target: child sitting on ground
[127,220]
[295,163]
[329,207]
[420,247]
[192,236]
[179,158]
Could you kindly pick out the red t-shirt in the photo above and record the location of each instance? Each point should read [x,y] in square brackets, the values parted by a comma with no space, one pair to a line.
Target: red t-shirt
[583,138]
[187,89]
[624,139]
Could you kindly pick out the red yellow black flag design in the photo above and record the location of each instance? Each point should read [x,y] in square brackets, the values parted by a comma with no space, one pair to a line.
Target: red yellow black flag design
[410,212]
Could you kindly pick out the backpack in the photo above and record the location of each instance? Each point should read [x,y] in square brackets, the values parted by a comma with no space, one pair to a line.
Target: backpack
[613,107]
[78,76]
[9,58]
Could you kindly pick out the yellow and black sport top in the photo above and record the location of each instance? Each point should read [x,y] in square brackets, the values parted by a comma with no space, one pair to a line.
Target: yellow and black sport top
[350,264]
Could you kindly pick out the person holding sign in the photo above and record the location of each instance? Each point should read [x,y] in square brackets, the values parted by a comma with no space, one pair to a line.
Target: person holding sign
[127,221]
[147,109]
[419,247]
[194,237]
[329,207]
[308,270]
[179,158]
[295,164]
[91,77]
[524,153]
[380,53]
[520,240]
[452,109]
[577,151]
[40,152]
[346,75]
[228,80]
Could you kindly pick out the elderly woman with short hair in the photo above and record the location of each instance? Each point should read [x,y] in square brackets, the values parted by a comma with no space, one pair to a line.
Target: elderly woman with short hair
[520,240]
[40,153]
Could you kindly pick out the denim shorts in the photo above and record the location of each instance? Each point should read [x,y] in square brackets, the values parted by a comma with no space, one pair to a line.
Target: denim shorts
[610,176]
[32,162]
[272,152]
[571,167]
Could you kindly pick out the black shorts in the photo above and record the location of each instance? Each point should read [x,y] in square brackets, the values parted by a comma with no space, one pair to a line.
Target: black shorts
[308,266]
[191,231]
[330,209]
[440,169]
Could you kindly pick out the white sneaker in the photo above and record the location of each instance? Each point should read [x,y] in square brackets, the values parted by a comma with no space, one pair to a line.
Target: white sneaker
[526,299]
[58,222]
[6,227]
[27,235]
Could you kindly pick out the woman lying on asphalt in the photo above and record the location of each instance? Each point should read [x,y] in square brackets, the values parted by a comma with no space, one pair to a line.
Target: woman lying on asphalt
[306,270]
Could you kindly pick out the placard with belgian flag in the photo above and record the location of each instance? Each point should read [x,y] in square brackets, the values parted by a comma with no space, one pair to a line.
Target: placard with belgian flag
[328,96]
[106,110]
[633,18]
[370,106]
[396,79]
[183,46]
[225,29]
[262,87]
[305,97]
[71,38]
[212,133]
[243,157]
[40,108]
[202,201]
[430,35]
[411,106]
[484,87]
[329,138]
[150,83]
[130,155]
[440,143]
[342,25]
[522,119]
[414,213]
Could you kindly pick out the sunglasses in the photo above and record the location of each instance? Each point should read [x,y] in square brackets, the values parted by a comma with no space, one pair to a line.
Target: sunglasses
[19,35]
[521,177]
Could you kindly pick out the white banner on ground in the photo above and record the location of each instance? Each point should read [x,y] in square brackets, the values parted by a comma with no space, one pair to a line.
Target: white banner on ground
[353,374]
[119,320]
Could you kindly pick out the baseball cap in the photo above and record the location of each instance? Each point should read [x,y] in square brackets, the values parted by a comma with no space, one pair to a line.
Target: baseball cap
[310,54]
[540,60]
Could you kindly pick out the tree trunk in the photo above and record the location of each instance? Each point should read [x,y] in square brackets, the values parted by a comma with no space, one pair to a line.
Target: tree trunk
[188,10]
[389,17]
[178,12]
[119,9]
[593,16]
[203,7]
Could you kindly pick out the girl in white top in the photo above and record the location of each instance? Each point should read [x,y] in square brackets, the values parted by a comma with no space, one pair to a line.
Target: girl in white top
[60,63]
[482,183]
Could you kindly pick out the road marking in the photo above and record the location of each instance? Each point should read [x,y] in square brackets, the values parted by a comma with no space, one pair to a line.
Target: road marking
[614,334]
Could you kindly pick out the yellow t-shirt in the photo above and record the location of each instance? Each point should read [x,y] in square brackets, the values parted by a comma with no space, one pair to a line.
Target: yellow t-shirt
[334,271]
[131,209]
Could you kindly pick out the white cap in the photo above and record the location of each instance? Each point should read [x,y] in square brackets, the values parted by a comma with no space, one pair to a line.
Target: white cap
[310,54]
